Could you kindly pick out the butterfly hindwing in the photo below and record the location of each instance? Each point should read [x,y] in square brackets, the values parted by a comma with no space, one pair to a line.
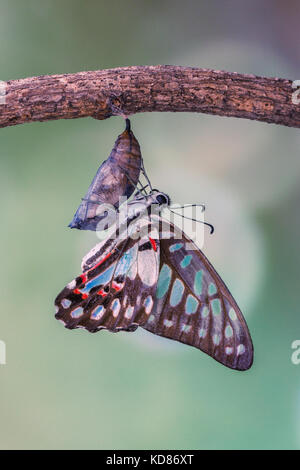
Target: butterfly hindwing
[117,292]
[194,306]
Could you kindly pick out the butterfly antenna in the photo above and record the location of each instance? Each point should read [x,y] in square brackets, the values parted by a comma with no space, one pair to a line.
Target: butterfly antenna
[190,205]
[212,229]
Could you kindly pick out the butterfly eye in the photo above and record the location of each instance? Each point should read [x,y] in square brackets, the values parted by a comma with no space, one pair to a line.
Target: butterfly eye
[162,199]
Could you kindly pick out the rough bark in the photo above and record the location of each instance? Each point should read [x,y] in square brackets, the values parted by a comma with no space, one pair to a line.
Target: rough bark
[130,90]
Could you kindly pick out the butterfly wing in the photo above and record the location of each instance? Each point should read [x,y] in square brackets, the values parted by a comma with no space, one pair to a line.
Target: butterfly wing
[194,306]
[116,290]
[116,178]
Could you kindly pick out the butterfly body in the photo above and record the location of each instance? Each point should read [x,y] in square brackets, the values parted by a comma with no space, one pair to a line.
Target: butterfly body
[154,279]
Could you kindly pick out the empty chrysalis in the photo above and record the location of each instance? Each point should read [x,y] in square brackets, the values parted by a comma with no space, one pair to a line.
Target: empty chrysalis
[116,178]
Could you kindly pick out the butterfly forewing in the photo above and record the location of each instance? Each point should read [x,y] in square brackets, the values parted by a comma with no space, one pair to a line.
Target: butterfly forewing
[194,306]
[117,292]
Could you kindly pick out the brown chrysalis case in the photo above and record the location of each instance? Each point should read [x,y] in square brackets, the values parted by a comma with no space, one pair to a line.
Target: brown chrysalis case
[116,178]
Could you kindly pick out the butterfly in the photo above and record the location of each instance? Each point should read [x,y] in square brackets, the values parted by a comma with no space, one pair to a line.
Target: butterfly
[152,276]
[116,178]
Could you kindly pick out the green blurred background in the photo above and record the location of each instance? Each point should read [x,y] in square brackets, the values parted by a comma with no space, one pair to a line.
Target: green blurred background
[69,389]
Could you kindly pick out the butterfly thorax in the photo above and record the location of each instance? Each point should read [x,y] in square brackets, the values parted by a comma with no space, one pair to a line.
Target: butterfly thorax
[142,205]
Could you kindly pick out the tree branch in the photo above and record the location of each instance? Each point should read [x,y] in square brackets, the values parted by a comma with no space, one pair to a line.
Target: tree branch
[130,90]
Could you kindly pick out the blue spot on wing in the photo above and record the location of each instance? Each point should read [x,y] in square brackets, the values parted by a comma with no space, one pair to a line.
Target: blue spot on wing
[186,261]
[176,247]
[148,301]
[177,292]
[191,304]
[198,282]
[212,289]
[77,312]
[163,281]
[126,261]
[228,331]
[97,312]
[103,278]
[216,306]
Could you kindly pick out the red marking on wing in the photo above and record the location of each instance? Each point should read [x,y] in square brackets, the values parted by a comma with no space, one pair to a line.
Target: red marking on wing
[100,262]
[78,292]
[84,279]
[116,287]
[153,243]
[102,293]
